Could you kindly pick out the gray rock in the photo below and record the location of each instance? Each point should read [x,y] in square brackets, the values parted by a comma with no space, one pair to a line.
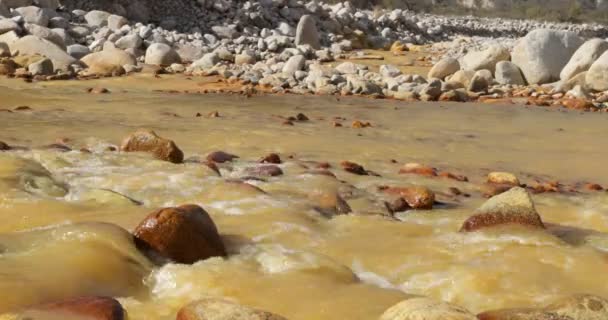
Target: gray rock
[5,51]
[207,61]
[45,33]
[129,41]
[41,68]
[48,4]
[189,52]
[445,67]
[542,54]
[97,18]
[508,73]
[34,15]
[32,45]
[306,32]
[583,58]
[294,64]
[115,22]
[432,90]
[78,51]
[13,4]
[245,58]
[79,32]
[389,70]
[161,54]
[4,11]
[58,22]
[360,85]
[225,32]
[349,68]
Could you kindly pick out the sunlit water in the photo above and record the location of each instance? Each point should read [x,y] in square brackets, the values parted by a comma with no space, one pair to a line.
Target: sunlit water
[59,209]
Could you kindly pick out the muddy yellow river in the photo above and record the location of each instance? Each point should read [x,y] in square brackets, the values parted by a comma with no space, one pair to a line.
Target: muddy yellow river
[59,210]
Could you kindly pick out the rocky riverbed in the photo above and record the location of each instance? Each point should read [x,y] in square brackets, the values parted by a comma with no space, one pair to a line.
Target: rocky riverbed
[348,221]
[221,160]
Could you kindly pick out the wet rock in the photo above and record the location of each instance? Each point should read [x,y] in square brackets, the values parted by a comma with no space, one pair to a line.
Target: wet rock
[512,207]
[98,90]
[583,58]
[542,54]
[109,197]
[331,204]
[576,307]
[4,146]
[306,32]
[219,309]
[221,157]
[184,234]
[578,104]
[271,158]
[508,73]
[91,308]
[419,169]
[264,171]
[445,67]
[148,141]
[416,197]
[353,168]
[426,309]
[503,178]
[487,59]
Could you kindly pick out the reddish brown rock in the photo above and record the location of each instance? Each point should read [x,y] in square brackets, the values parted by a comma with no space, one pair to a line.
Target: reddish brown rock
[359,124]
[271,158]
[184,234]
[264,171]
[23,108]
[353,168]
[512,207]
[419,169]
[90,308]
[416,197]
[588,186]
[578,104]
[221,157]
[148,141]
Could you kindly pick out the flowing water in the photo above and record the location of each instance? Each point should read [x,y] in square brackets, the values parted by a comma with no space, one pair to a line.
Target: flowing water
[60,210]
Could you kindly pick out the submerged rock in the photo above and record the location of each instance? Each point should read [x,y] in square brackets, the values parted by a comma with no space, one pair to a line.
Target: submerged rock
[576,307]
[219,309]
[221,157]
[512,207]
[148,141]
[90,308]
[426,309]
[184,234]
[416,197]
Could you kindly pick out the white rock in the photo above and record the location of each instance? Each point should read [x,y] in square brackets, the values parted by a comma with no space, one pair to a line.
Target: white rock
[32,45]
[115,22]
[389,70]
[583,58]
[542,54]
[294,64]
[129,41]
[34,15]
[207,61]
[597,75]
[486,59]
[97,18]
[161,54]
[7,25]
[45,33]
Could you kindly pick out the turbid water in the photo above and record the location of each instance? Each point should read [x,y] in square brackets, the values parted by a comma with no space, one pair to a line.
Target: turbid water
[59,210]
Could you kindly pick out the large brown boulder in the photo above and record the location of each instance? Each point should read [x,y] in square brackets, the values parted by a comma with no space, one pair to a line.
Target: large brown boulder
[184,234]
[512,207]
[148,141]
[90,308]
[576,307]
[219,309]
